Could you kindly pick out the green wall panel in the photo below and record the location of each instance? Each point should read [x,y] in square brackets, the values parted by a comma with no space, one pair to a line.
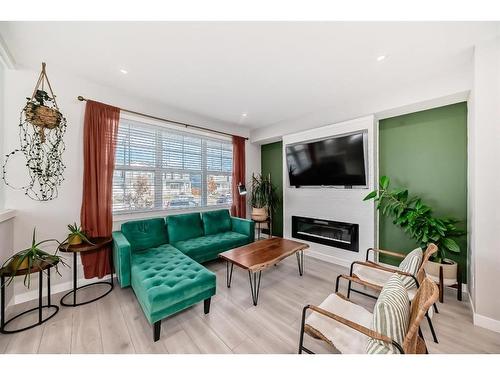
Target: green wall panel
[427,153]
[272,162]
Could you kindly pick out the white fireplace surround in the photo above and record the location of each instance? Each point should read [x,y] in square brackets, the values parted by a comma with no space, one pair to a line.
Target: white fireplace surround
[335,204]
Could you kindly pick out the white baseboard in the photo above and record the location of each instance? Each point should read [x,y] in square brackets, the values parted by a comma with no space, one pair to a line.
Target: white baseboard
[57,288]
[329,258]
[483,321]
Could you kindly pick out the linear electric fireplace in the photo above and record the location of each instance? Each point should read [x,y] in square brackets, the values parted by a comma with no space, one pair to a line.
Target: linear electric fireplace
[326,232]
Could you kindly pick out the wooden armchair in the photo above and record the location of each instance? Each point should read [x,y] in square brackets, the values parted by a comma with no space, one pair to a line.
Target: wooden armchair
[374,275]
[355,335]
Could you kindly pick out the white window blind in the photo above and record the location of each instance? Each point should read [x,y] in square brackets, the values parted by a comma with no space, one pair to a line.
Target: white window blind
[160,168]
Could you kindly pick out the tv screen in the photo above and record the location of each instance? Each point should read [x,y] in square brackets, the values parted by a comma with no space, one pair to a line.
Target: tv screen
[338,161]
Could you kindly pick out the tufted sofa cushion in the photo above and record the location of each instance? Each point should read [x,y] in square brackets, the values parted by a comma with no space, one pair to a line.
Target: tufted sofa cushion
[185,226]
[217,221]
[206,248]
[143,234]
[166,281]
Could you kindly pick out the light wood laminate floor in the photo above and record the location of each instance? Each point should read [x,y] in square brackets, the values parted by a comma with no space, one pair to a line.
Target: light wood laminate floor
[116,324]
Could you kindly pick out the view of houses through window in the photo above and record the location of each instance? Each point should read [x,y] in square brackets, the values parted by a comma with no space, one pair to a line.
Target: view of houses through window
[160,168]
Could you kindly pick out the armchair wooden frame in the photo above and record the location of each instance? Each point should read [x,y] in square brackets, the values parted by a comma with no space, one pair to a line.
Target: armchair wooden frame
[413,343]
[420,276]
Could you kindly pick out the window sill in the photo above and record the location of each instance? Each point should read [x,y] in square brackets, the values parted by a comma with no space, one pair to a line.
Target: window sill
[126,216]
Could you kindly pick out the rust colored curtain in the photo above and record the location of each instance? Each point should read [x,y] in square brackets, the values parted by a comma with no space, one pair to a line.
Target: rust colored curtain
[239,207]
[96,215]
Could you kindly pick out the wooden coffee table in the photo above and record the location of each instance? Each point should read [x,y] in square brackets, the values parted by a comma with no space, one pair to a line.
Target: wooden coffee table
[260,255]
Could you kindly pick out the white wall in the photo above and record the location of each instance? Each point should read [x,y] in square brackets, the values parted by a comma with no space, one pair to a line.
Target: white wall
[51,218]
[330,203]
[484,184]
[2,99]
[426,91]
[253,165]
[6,243]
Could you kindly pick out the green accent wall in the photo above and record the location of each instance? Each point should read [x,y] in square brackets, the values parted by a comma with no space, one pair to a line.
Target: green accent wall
[426,152]
[271,159]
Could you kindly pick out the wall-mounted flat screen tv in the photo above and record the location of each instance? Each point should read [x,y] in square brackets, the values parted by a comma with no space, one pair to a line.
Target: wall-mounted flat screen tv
[335,161]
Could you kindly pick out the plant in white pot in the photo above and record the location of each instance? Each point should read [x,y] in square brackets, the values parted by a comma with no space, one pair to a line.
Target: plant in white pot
[263,197]
[418,222]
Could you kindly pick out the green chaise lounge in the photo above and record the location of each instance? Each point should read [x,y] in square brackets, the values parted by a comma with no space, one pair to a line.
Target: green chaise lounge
[160,259]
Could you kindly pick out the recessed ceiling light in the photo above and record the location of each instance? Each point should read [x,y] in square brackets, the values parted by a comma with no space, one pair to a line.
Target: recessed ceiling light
[123,71]
[381,57]
[244,114]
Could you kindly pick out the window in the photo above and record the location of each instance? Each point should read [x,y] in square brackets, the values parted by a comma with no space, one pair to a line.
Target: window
[160,168]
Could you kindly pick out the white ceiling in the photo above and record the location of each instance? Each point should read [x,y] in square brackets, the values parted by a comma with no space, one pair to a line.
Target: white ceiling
[273,71]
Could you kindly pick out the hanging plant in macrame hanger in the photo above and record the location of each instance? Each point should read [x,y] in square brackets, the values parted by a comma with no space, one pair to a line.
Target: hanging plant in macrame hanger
[41,130]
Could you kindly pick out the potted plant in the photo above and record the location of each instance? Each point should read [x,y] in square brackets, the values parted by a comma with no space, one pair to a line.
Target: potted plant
[419,223]
[263,197]
[76,235]
[30,257]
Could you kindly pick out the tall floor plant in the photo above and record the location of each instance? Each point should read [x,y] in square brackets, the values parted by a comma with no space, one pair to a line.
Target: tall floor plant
[264,194]
[416,219]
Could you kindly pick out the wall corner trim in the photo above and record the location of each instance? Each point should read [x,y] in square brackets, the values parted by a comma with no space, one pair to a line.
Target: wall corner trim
[5,55]
[7,215]
[483,321]
[486,322]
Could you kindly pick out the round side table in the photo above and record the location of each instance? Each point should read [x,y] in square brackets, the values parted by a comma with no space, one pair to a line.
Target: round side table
[40,267]
[97,244]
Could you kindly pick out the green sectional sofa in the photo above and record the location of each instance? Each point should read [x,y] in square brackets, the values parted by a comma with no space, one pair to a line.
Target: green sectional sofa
[160,259]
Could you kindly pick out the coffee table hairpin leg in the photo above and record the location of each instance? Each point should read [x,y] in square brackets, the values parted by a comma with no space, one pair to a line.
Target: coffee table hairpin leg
[229,274]
[254,285]
[300,261]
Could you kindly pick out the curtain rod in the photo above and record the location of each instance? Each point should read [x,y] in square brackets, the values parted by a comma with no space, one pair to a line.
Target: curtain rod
[82,99]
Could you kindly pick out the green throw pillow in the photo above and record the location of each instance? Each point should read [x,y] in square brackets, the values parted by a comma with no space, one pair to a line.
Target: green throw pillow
[184,227]
[391,316]
[218,221]
[144,234]
[411,264]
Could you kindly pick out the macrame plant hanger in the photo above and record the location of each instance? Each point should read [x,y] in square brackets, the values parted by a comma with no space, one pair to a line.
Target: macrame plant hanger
[41,130]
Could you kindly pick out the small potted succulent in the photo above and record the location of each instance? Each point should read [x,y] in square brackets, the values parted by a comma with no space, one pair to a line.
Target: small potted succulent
[76,235]
[30,257]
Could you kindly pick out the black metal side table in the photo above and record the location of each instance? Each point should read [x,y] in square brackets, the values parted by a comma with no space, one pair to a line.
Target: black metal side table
[259,223]
[40,267]
[97,244]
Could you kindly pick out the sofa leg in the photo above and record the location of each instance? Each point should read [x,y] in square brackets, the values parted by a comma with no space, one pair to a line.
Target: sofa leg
[206,305]
[156,330]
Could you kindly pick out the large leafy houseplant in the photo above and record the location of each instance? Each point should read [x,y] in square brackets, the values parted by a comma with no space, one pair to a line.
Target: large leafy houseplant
[416,218]
[32,257]
[263,194]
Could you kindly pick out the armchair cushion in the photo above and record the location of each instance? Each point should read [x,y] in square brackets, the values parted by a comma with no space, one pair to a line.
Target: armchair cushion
[411,264]
[143,234]
[342,337]
[391,316]
[216,221]
[373,275]
[184,226]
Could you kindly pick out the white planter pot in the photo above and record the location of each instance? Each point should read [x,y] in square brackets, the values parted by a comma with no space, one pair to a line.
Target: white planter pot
[450,269]
[259,214]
